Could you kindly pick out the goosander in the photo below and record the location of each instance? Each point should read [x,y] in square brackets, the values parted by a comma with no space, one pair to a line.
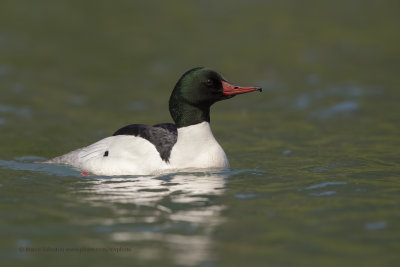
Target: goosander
[189,144]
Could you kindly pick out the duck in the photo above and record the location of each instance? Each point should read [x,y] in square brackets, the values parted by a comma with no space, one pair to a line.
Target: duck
[188,144]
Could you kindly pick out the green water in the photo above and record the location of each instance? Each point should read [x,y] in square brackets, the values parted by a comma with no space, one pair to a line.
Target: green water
[315,158]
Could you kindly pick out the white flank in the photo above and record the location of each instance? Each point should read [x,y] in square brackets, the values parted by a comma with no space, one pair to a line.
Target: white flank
[196,148]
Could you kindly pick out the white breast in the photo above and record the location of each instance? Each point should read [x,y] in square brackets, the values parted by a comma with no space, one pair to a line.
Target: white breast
[196,148]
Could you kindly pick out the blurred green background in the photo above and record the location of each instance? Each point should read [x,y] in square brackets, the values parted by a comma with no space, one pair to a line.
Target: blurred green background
[116,63]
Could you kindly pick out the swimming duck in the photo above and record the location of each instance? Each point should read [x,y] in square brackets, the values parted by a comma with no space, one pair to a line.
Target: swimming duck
[189,144]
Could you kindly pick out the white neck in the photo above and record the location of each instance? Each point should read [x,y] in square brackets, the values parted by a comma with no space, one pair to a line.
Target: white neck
[199,132]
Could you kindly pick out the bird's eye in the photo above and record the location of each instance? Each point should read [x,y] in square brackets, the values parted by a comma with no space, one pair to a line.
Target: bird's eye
[209,82]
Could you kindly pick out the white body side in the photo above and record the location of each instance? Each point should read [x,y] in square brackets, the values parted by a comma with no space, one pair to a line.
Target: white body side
[196,148]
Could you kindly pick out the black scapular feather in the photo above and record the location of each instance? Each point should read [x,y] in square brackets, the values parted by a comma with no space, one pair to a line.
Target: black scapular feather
[163,136]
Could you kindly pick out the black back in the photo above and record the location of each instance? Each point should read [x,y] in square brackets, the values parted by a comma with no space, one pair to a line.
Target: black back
[163,136]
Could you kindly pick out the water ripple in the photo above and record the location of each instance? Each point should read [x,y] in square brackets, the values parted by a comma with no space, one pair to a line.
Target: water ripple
[22,111]
[342,108]
[245,196]
[27,163]
[374,226]
[322,185]
[326,193]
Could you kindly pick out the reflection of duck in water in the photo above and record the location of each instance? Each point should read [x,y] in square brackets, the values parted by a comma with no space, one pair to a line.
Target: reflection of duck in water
[188,144]
[175,214]
[152,190]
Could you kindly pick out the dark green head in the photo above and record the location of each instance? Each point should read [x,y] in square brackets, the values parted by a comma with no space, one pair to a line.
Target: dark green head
[196,91]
